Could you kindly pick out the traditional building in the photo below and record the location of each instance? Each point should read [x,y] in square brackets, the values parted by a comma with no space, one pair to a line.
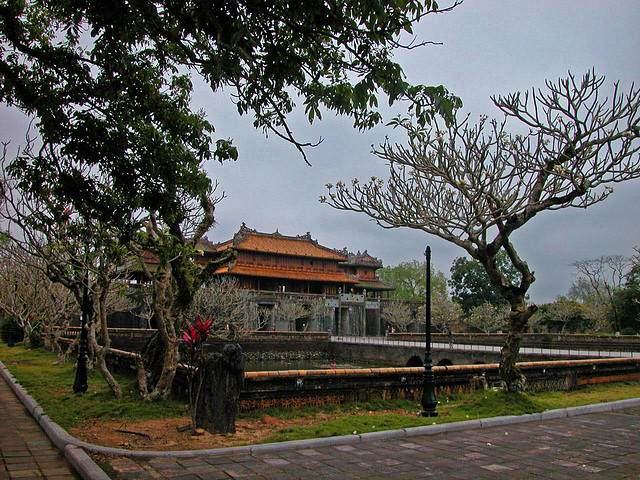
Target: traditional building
[283,268]
[277,263]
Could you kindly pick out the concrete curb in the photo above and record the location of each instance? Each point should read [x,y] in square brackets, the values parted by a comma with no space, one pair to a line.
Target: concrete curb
[83,464]
[88,469]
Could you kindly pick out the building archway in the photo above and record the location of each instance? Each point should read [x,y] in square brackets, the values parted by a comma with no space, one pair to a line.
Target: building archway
[445,362]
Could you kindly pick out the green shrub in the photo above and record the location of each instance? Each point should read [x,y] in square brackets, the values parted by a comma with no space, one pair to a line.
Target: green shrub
[5,326]
[628,331]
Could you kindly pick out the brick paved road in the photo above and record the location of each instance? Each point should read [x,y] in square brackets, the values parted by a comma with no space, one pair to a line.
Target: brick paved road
[25,451]
[595,446]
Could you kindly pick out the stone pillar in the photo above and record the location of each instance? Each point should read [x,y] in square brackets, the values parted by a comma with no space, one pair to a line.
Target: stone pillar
[223,379]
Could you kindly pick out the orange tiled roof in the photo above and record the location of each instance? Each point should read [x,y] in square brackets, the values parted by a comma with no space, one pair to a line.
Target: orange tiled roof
[301,246]
[283,273]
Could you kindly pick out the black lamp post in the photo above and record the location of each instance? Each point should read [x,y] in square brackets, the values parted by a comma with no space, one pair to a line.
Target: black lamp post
[11,341]
[429,401]
[80,384]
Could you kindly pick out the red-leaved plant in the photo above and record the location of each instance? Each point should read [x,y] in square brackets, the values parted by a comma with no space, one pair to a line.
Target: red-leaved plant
[193,338]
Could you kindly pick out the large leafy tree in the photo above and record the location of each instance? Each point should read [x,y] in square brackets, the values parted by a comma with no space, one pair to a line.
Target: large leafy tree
[627,298]
[108,85]
[103,80]
[564,316]
[116,130]
[470,284]
[475,185]
[408,279]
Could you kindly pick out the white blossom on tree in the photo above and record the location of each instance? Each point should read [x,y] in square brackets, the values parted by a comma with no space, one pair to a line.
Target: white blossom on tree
[228,306]
[446,314]
[318,312]
[488,318]
[289,311]
[475,185]
[398,315]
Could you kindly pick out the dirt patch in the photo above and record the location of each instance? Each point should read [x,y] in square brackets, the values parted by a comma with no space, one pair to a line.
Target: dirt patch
[166,435]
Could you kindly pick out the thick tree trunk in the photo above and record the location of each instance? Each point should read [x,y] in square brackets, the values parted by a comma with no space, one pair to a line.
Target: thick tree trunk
[111,381]
[158,367]
[217,401]
[167,374]
[101,351]
[161,354]
[510,374]
[152,358]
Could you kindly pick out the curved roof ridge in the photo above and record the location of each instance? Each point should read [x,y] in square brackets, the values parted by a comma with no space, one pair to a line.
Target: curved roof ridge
[278,243]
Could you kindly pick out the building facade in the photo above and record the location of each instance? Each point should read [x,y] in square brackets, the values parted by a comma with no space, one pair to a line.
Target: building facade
[339,289]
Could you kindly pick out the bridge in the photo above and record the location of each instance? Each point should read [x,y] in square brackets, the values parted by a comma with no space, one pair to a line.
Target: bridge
[445,353]
[554,352]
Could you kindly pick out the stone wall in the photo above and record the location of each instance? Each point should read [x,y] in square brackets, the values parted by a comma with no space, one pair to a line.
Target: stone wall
[293,388]
[399,356]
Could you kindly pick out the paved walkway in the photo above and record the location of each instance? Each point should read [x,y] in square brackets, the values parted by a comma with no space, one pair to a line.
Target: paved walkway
[594,446]
[25,451]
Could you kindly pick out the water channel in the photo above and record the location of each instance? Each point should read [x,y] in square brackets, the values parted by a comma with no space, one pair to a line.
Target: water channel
[306,364]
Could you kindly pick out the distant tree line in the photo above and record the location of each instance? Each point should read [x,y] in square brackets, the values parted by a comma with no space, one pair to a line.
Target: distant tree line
[603,298]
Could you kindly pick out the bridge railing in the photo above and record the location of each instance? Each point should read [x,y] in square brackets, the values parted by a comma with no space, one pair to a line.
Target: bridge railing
[552,352]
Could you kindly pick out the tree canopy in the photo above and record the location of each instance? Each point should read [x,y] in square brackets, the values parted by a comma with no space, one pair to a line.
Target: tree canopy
[108,85]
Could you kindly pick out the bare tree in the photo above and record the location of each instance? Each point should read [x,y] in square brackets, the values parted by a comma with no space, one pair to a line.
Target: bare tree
[605,275]
[228,306]
[318,312]
[61,308]
[489,318]
[474,185]
[398,315]
[582,291]
[290,311]
[69,249]
[22,291]
[446,314]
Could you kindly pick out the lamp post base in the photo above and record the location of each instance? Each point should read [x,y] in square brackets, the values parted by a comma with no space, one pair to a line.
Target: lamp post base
[429,401]
[424,413]
[80,385]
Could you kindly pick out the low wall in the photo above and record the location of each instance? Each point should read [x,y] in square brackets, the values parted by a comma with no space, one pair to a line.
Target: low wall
[285,346]
[292,388]
[258,346]
[318,387]
[398,356]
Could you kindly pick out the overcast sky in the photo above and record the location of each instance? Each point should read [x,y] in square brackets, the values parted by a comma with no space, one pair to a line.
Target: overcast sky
[489,47]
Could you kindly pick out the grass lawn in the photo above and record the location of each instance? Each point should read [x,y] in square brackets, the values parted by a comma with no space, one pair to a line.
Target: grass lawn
[51,385]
